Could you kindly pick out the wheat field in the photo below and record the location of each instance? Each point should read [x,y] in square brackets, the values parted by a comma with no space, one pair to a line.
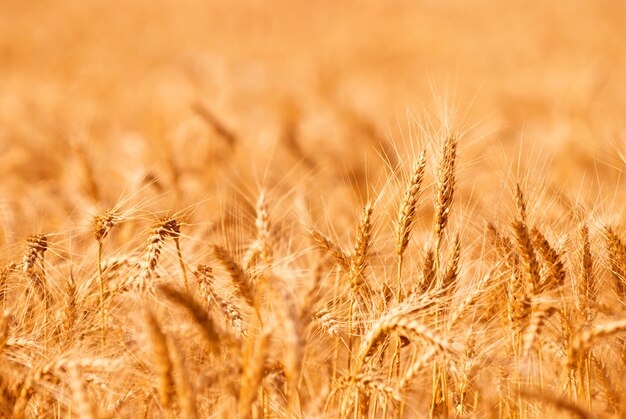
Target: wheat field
[282,209]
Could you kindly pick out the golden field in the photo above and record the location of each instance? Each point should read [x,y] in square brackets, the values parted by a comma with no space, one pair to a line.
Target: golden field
[290,209]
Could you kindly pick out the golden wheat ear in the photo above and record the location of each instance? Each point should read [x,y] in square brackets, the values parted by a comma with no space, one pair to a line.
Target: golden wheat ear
[586,288]
[358,261]
[199,315]
[326,243]
[162,229]
[617,257]
[406,215]
[239,278]
[446,184]
[205,277]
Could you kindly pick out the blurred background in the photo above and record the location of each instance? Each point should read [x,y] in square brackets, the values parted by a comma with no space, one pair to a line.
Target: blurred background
[179,98]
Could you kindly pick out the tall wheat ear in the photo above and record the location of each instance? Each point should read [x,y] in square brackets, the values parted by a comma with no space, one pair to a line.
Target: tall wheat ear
[406,215]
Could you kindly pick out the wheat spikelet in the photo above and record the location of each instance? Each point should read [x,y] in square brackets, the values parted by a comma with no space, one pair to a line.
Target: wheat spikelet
[161,230]
[366,383]
[24,395]
[408,328]
[5,271]
[469,300]
[327,322]
[239,278]
[103,223]
[586,337]
[358,260]
[70,309]
[556,269]
[526,249]
[311,296]
[452,270]
[27,387]
[428,272]
[520,203]
[262,223]
[613,395]
[4,330]
[325,243]
[617,256]
[36,246]
[199,315]
[519,306]
[415,367]
[446,184]
[537,321]
[504,249]
[408,207]
[205,279]
[113,265]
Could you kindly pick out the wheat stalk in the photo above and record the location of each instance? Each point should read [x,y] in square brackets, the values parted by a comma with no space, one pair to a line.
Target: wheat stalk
[200,316]
[184,388]
[254,370]
[205,278]
[162,362]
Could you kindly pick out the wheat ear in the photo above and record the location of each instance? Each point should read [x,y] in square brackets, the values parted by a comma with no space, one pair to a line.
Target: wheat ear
[407,212]
[358,263]
[161,230]
[452,271]
[537,322]
[326,243]
[529,259]
[205,279]
[617,256]
[199,315]
[446,184]
[552,259]
[238,276]
[586,287]
[262,223]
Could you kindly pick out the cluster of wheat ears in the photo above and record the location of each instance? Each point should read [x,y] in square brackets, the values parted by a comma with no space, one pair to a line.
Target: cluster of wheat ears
[514,323]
